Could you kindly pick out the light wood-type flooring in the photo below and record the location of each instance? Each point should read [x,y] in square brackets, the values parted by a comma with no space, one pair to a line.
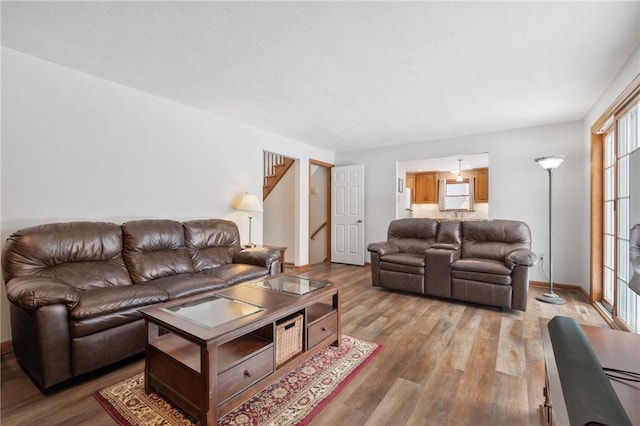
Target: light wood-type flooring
[443,363]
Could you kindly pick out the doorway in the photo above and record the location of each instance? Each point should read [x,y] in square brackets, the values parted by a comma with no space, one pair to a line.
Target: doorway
[319,211]
[279,203]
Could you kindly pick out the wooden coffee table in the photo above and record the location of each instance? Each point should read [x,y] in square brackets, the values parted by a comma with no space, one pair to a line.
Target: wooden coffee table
[211,352]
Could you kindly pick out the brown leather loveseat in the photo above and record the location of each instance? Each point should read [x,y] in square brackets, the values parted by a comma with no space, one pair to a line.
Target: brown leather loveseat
[75,288]
[479,261]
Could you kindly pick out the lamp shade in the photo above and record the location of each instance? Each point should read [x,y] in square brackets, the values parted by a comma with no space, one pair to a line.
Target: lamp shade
[550,162]
[250,203]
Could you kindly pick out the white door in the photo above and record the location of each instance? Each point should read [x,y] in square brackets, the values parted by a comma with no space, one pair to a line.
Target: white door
[347,214]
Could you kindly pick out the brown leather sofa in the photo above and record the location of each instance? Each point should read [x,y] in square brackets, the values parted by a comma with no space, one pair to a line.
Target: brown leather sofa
[479,261]
[75,288]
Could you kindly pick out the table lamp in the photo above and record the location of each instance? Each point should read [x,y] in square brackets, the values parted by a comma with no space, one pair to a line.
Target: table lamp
[250,203]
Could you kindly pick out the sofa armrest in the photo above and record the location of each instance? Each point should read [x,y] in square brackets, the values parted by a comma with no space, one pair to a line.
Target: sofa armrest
[35,292]
[520,257]
[258,256]
[383,248]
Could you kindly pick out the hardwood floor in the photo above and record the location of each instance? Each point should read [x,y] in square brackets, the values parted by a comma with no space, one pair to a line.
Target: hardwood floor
[443,363]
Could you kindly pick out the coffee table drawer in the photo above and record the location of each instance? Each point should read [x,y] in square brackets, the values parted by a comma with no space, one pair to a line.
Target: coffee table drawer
[323,328]
[243,375]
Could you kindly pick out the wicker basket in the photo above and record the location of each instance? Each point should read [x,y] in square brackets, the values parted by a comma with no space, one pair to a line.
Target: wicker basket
[288,339]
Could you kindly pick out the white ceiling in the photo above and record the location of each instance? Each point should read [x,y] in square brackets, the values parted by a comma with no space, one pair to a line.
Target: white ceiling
[346,75]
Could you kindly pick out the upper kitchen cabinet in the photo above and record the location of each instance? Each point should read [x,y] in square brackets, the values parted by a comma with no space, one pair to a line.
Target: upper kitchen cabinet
[482,185]
[426,188]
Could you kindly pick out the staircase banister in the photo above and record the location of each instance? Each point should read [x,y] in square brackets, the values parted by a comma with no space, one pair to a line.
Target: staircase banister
[318,230]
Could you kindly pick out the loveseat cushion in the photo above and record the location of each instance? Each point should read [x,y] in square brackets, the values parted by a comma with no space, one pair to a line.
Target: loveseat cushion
[237,272]
[493,239]
[403,262]
[211,242]
[409,259]
[82,254]
[413,235]
[103,301]
[155,249]
[485,270]
[450,232]
[183,285]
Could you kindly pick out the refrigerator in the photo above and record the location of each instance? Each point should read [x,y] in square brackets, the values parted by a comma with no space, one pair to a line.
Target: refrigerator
[408,192]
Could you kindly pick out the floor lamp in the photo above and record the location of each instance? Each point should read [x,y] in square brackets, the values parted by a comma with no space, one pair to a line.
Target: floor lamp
[250,203]
[549,164]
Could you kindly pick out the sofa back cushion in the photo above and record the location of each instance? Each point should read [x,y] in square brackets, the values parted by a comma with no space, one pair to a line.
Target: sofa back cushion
[83,254]
[493,239]
[211,242]
[413,235]
[450,232]
[155,249]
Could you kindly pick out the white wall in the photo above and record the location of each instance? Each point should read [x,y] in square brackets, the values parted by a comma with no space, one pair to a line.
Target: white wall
[518,187]
[279,215]
[77,147]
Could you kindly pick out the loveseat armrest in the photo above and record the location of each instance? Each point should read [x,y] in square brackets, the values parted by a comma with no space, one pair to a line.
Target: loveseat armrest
[520,257]
[34,292]
[258,256]
[438,260]
[444,246]
[383,248]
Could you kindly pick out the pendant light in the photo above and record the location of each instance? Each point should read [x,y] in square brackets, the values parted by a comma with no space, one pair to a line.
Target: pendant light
[459,178]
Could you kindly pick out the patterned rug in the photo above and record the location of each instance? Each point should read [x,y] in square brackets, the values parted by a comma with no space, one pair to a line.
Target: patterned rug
[295,399]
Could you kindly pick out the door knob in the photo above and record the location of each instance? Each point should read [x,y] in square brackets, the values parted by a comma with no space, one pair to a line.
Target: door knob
[359,221]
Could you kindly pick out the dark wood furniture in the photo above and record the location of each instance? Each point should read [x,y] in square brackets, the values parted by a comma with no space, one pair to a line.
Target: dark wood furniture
[211,352]
[614,349]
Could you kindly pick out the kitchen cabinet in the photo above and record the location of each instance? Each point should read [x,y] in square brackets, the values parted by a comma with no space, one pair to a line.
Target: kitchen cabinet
[426,188]
[482,185]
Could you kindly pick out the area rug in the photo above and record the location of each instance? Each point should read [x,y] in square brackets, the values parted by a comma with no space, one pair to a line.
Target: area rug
[295,399]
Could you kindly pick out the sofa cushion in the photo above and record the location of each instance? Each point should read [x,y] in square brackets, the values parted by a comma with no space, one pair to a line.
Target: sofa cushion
[413,235]
[155,249]
[87,326]
[211,242]
[183,285]
[237,272]
[82,254]
[103,301]
[493,239]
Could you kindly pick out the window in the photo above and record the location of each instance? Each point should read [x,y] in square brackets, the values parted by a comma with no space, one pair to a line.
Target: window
[456,196]
[616,208]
